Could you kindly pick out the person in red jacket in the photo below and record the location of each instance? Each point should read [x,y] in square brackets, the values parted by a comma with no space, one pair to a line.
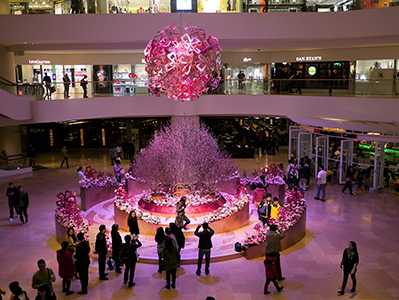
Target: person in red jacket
[66,267]
[271,272]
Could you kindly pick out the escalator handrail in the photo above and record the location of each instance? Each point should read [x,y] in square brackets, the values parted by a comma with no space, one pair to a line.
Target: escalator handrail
[7,82]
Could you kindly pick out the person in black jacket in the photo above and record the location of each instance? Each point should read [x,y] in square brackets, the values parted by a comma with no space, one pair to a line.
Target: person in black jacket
[82,256]
[116,247]
[133,224]
[129,258]
[204,246]
[348,181]
[12,194]
[101,250]
[22,205]
[349,262]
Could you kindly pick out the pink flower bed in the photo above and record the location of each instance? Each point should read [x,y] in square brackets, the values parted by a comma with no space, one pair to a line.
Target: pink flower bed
[290,213]
[273,175]
[69,215]
[96,178]
[127,203]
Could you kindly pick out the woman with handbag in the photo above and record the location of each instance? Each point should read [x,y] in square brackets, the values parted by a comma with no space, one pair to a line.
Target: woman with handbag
[348,181]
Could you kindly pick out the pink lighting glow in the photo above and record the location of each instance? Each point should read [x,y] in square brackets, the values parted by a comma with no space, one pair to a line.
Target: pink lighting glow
[184,67]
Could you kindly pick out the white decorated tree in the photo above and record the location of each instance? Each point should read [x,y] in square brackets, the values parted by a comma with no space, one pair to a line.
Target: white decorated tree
[184,151]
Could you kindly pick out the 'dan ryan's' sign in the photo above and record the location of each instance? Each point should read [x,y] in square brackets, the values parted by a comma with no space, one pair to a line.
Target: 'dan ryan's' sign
[308,58]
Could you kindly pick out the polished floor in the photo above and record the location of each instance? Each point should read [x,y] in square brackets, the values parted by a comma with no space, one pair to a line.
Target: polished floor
[311,267]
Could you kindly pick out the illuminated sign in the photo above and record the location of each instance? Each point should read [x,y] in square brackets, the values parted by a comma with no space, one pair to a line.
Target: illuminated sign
[308,58]
[312,70]
[334,129]
[246,59]
[39,62]
[183,5]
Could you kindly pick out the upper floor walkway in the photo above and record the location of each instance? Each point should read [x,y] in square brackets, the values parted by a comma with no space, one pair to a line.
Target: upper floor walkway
[375,114]
[236,32]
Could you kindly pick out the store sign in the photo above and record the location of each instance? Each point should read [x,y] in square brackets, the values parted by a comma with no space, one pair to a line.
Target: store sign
[39,62]
[246,59]
[308,58]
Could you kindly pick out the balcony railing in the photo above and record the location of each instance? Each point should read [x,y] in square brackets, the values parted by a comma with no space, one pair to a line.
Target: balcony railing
[137,87]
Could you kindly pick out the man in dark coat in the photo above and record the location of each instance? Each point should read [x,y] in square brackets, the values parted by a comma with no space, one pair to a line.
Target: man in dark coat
[12,194]
[129,258]
[83,262]
[101,250]
[204,245]
[273,244]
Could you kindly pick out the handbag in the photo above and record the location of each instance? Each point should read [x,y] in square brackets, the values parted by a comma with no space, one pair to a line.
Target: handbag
[111,264]
[53,89]
[348,179]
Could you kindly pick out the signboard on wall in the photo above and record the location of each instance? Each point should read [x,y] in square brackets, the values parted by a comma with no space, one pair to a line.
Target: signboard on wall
[183,6]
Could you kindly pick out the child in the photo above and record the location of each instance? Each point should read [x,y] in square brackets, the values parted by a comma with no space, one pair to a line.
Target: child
[275,209]
[271,272]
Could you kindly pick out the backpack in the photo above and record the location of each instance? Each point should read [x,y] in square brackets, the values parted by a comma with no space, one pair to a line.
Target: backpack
[125,254]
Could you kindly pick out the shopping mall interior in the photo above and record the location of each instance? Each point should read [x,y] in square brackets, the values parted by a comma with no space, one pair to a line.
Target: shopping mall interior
[331,77]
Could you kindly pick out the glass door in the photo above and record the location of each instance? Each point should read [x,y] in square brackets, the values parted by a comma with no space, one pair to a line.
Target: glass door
[293,141]
[346,159]
[321,153]
[379,157]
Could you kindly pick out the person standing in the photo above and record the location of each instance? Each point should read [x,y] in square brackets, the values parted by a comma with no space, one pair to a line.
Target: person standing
[275,209]
[129,258]
[43,276]
[204,246]
[12,194]
[264,209]
[116,247]
[64,156]
[348,181]
[82,262]
[131,150]
[75,6]
[241,77]
[83,84]
[67,82]
[321,184]
[271,272]
[22,205]
[118,170]
[273,244]
[16,292]
[133,224]
[349,262]
[169,255]
[180,213]
[66,268]
[160,240]
[47,84]
[112,155]
[81,173]
[101,250]
[125,148]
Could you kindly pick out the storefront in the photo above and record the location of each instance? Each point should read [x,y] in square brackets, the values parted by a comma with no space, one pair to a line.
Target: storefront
[310,73]
[376,76]
[18,8]
[255,77]
[129,79]
[139,6]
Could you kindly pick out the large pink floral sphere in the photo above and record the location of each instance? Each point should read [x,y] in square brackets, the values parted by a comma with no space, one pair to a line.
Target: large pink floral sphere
[182,66]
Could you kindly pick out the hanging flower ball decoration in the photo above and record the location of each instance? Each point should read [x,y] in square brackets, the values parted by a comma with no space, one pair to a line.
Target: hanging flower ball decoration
[182,66]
